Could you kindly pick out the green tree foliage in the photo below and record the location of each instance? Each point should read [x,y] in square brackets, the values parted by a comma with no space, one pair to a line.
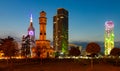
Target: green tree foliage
[74,51]
[93,48]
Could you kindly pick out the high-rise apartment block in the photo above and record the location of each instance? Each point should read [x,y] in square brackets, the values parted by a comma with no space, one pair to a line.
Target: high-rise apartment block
[60,30]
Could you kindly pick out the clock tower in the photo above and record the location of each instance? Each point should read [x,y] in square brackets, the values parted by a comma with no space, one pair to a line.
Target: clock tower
[31,30]
[43,46]
[42,22]
[31,33]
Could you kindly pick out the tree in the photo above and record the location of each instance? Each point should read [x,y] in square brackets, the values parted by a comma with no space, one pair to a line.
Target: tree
[74,51]
[9,46]
[93,49]
[25,46]
[116,53]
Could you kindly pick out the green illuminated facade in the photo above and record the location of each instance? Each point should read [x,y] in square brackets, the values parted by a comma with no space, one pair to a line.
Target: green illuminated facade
[60,31]
[109,37]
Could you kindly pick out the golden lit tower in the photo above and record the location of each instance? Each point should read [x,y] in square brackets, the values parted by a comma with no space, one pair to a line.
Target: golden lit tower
[42,22]
[43,45]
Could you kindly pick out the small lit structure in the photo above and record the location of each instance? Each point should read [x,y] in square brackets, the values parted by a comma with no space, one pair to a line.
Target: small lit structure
[109,37]
[1,54]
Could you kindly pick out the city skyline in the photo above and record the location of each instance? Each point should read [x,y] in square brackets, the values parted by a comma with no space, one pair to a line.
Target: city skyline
[86,18]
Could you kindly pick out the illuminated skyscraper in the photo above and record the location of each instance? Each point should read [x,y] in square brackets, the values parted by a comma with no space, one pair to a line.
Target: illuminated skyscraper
[60,30]
[109,37]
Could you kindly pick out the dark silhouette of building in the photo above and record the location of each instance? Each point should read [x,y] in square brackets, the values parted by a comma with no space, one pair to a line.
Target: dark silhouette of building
[60,30]
[25,50]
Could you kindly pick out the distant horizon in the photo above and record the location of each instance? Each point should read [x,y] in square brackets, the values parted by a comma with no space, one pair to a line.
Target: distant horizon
[20,38]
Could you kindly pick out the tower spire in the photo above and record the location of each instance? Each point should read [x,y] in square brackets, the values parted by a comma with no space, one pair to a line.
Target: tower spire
[31,20]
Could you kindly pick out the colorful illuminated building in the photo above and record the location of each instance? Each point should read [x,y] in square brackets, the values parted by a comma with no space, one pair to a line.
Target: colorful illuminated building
[109,37]
[31,33]
[28,42]
[31,30]
[43,47]
[60,31]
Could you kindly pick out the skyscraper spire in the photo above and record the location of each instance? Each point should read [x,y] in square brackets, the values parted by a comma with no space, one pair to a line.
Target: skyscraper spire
[31,20]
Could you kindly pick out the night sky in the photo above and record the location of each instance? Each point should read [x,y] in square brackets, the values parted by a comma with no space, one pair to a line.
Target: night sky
[86,17]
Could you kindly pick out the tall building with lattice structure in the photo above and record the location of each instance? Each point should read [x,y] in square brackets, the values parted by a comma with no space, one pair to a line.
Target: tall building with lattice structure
[44,49]
[109,37]
[60,31]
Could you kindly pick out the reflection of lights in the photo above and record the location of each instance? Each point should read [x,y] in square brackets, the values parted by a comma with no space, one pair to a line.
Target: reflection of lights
[67,57]
[17,57]
[84,57]
[60,57]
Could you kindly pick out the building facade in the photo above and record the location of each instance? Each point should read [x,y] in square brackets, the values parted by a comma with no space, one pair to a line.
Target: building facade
[60,31]
[31,33]
[109,37]
[31,30]
[28,42]
[43,47]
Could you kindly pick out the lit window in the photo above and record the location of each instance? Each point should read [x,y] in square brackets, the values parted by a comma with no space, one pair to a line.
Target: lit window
[61,17]
[54,22]
[57,18]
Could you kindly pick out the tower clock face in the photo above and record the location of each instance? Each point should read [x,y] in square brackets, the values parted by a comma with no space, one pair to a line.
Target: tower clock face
[31,33]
